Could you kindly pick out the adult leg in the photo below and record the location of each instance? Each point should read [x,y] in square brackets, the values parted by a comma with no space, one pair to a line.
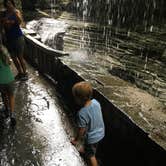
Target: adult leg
[17,64]
[24,75]
[11,103]
[12,48]
[6,104]
[22,63]
[11,99]
[5,100]
[20,51]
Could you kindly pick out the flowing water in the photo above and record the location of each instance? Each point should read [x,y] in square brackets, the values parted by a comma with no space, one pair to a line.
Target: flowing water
[115,58]
[138,58]
[127,66]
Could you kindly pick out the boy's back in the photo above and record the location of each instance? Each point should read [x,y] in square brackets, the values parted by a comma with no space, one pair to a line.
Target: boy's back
[90,121]
[90,117]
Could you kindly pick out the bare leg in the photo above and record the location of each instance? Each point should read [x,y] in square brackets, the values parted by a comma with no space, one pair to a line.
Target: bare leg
[17,64]
[93,161]
[22,63]
[11,102]
[5,100]
[6,104]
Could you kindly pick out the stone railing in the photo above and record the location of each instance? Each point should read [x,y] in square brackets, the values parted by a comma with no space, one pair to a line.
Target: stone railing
[125,143]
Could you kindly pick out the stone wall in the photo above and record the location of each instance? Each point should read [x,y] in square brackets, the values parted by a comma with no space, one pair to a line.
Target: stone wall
[128,13]
[125,143]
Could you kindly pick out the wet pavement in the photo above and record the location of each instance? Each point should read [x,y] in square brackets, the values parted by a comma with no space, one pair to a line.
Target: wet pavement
[43,131]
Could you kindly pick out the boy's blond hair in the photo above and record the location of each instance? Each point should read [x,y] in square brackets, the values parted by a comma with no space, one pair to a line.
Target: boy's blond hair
[82,91]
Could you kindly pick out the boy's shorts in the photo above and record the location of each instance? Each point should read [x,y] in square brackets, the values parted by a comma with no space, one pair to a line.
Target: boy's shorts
[90,150]
[7,88]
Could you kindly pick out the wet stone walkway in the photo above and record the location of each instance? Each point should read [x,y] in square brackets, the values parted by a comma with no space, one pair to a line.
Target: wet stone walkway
[43,131]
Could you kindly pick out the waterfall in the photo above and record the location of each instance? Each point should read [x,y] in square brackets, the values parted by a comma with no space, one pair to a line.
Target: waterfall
[123,13]
[52,4]
[125,37]
[51,31]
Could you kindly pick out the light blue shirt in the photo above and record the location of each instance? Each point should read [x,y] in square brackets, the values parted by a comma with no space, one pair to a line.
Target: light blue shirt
[90,117]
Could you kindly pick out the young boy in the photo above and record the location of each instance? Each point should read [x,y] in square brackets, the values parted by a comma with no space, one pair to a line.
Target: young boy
[6,83]
[90,121]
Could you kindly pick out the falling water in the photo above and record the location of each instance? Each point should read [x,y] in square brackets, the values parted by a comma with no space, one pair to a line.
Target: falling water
[133,37]
[120,45]
[123,13]
[52,5]
[51,31]
[85,9]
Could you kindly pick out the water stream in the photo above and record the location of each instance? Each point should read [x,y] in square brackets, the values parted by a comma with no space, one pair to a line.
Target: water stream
[126,62]
[138,58]
[127,66]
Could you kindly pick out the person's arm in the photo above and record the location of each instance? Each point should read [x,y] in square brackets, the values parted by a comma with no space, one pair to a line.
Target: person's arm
[82,123]
[80,135]
[18,16]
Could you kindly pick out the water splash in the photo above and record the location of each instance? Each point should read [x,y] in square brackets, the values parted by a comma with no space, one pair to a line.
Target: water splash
[50,30]
[80,56]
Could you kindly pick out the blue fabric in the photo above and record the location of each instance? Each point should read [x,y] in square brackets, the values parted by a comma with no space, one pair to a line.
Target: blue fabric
[14,31]
[90,117]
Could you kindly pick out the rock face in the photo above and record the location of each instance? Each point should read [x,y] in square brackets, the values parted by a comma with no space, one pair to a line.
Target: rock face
[137,57]
[28,4]
[42,4]
[51,31]
[121,13]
